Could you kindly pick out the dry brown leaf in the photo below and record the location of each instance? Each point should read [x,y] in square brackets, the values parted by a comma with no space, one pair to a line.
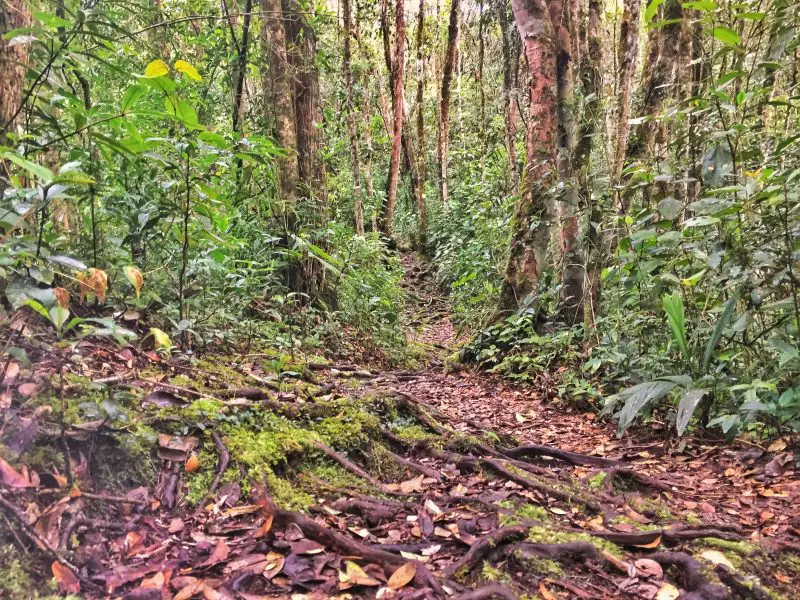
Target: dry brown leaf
[668,592]
[219,554]
[545,593]
[778,445]
[355,575]
[654,544]
[190,590]
[67,581]
[26,390]
[156,582]
[402,576]
[274,566]
[649,568]
[10,477]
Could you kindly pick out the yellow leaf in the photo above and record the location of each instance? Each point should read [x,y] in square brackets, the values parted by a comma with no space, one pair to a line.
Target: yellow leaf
[356,575]
[161,338]
[136,278]
[188,70]
[157,68]
[654,544]
[668,592]
[402,576]
[192,464]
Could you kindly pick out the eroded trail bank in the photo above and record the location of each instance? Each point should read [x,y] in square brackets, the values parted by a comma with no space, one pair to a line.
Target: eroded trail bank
[247,477]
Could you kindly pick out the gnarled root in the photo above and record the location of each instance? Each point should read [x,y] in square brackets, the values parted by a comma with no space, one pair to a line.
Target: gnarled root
[485,546]
[573,458]
[690,571]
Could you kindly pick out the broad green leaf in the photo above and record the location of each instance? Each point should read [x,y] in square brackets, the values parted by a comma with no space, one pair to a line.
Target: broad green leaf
[132,95]
[726,35]
[43,173]
[51,20]
[722,323]
[157,68]
[689,401]
[162,339]
[188,70]
[59,316]
[652,9]
[637,397]
[37,306]
[673,307]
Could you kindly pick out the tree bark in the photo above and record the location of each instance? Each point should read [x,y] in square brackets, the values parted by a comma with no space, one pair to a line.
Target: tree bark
[352,130]
[628,54]
[241,70]
[444,100]
[396,70]
[422,210]
[530,228]
[510,60]
[279,103]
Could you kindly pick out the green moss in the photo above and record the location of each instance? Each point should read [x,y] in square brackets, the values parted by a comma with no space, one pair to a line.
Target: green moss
[412,433]
[287,494]
[652,508]
[738,547]
[383,465]
[545,535]
[334,475]
[204,408]
[545,567]
[523,512]
[597,480]
[493,574]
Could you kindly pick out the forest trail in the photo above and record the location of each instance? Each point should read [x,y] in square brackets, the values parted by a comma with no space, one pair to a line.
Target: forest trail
[337,479]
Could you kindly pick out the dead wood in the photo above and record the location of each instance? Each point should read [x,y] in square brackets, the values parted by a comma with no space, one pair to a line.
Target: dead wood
[485,546]
[251,393]
[691,576]
[493,590]
[574,458]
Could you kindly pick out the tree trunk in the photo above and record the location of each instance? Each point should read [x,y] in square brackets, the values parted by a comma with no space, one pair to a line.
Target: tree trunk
[241,70]
[510,61]
[530,228]
[279,103]
[352,130]
[572,272]
[592,81]
[422,210]
[481,91]
[628,54]
[444,100]
[397,66]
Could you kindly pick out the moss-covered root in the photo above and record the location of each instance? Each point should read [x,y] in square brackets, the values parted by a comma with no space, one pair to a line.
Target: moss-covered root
[493,590]
[483,547]
[691,576]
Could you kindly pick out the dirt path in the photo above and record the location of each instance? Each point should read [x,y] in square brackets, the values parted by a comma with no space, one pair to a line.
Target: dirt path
[319,480]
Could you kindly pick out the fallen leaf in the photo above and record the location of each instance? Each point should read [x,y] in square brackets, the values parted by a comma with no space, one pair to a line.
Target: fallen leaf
[355,575]
[431,507]
[545,593]
[402,576]
[654,544]
[412,485]
[717,558]
[275,563]
[67,581]
[26,390]
[668,592]
[176,525]
[778,445]
[11,372]
[649,568]
[156,582]
[430,550]
[245,509]
[192,464]
[557,511]
[190,590]
[219,554]
[11,477]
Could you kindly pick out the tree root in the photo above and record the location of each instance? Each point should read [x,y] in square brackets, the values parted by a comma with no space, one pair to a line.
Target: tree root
[574,458]
[348,547]
[645,480]
[373,511]
[675,535]
[485,546]
[414,466]
[563,551]
[399,505]
[493,590]
[348,464]
[698,586]
[746,590]
[222,464]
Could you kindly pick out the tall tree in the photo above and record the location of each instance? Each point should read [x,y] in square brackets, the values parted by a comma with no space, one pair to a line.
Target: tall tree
[627,56]
[242,49]
[352,130]
[278,102]
[443,141]
[397,68]
[510,61]
[13,58]
[422,209]
[530,228]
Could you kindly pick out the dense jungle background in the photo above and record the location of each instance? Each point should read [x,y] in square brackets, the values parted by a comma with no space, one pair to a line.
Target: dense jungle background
[399,298]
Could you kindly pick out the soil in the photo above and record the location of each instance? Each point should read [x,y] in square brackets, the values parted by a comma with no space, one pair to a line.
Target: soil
[236,477]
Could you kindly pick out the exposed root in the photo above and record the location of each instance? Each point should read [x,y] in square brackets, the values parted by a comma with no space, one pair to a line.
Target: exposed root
[373,511]
[493,590]
[250,393]
[747,590]
[222,464]
[348,464]
[574,458]
[691,576]
[485,546]
[563,551]
[354,494]
[612,475]
[675,535]
[420,412]
[414,466]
